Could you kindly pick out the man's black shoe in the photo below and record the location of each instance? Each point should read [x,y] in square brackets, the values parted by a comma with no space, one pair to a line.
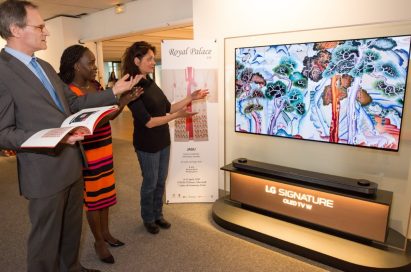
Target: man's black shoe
[152,228]
[162,223]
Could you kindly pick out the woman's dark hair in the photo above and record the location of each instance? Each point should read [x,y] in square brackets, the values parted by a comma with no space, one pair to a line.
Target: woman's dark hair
[70,56]
[136,50]
[13,12]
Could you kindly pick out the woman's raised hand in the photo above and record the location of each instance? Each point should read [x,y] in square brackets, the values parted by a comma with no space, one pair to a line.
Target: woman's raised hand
[183,113]
[123,84]
[131,95]
[199,94]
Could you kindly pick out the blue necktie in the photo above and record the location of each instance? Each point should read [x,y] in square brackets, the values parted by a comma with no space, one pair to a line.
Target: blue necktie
[46,83]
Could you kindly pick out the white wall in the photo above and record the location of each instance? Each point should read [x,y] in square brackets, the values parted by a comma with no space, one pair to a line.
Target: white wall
[54,43]
[2,43]
[221,20]
[64,32]
[139,16]
[142,15]
[229,18]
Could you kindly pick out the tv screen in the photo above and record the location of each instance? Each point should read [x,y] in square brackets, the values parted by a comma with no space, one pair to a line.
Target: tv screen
[345,92]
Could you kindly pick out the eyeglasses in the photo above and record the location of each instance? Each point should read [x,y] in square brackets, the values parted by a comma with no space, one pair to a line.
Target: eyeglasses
[41,27]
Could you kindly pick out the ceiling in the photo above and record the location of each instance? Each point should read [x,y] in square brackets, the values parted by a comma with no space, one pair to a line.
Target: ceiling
[54,8]
[113,49]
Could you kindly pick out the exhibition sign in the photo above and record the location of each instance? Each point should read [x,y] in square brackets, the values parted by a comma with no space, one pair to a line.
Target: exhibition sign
[187,66]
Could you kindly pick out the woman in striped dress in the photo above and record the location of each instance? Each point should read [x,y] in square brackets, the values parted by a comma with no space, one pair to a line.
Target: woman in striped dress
[78,70]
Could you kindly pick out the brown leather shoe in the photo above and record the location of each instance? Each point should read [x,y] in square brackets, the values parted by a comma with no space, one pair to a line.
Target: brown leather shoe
[162,223]
[152,228]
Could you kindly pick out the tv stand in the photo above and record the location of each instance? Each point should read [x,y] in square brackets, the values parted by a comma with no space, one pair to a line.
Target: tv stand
[358,186]
[323,247]
[312,198]
[312,214]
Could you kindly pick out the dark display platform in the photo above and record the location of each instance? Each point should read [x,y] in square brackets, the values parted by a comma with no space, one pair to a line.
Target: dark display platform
[338,221]
[361,215]
[361,186]
[332,250]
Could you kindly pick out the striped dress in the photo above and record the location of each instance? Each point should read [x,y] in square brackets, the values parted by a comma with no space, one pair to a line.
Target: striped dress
[99,182]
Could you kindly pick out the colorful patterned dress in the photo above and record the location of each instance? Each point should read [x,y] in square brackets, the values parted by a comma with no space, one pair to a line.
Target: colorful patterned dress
[99,182]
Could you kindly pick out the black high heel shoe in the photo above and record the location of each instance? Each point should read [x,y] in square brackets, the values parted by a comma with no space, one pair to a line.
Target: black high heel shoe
[117,243]
[109,259]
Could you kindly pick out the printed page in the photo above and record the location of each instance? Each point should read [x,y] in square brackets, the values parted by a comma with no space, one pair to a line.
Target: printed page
[83,122]
[47,138]
[88,117]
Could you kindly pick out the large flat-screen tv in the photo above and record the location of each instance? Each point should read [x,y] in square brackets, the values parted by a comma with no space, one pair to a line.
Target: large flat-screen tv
[347,92]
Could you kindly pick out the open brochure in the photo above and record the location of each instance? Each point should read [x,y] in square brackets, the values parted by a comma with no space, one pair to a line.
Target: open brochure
[84,122]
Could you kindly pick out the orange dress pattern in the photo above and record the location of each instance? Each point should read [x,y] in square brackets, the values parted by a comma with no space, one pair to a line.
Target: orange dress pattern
[99,181]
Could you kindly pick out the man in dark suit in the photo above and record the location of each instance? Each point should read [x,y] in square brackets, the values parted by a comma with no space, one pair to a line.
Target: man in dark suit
[52,183]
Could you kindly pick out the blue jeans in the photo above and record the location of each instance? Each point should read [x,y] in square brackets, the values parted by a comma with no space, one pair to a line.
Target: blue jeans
[154,168]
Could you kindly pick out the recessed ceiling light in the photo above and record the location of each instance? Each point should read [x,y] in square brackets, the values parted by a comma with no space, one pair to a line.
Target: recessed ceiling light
[119,8]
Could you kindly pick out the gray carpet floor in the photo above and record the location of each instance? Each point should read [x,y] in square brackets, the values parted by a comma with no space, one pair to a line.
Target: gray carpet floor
[194,242]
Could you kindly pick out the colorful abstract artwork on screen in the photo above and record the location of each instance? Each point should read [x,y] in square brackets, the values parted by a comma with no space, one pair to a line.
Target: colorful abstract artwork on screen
[347,92]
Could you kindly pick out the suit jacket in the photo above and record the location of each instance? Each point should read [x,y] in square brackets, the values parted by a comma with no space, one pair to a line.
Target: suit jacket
[25,108]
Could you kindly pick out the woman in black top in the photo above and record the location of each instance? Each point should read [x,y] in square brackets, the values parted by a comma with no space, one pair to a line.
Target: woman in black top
[151,137]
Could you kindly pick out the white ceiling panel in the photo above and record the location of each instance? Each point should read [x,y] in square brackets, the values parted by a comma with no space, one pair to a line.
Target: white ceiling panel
[113,49]
[53,8]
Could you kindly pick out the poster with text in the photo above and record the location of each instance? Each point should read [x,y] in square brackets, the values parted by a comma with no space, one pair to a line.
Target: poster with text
[187,66]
